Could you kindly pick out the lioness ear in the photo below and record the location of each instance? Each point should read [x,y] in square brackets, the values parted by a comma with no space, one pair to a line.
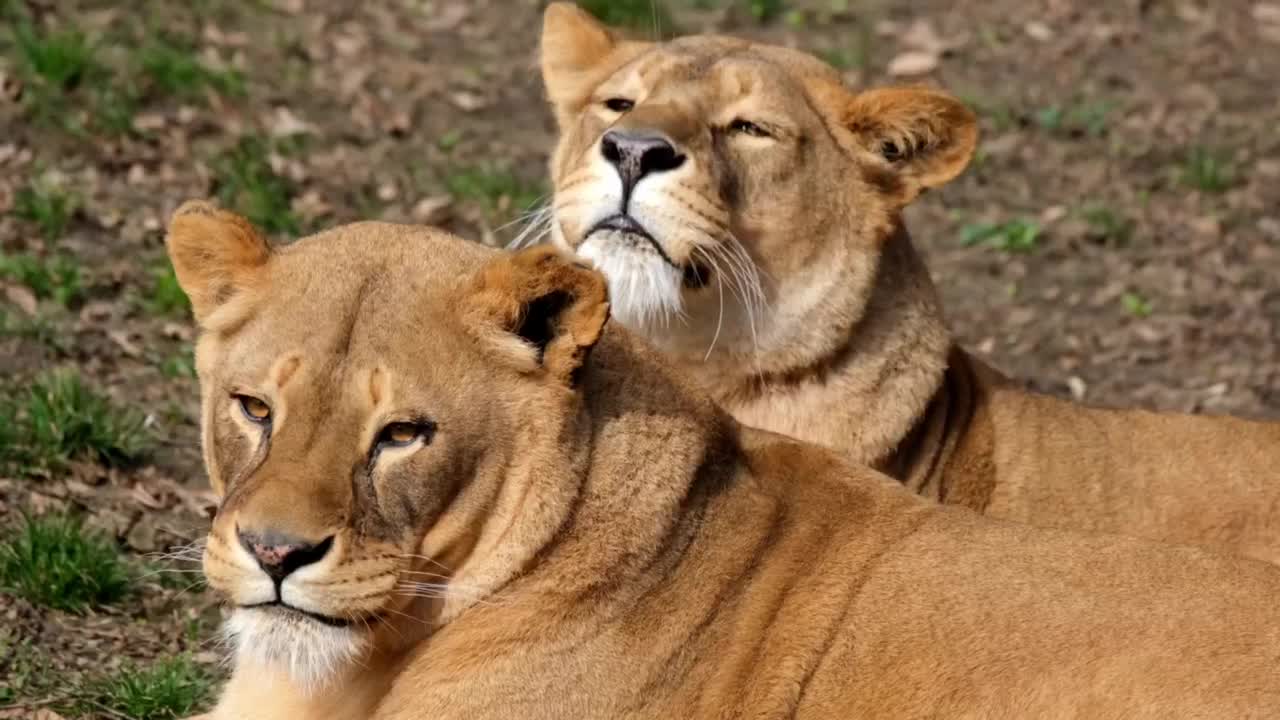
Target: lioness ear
[215,254]
[926,137]
[540,310]
[573,45]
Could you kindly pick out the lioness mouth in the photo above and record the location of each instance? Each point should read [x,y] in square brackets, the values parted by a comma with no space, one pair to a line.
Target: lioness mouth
[282,607]
[694,275]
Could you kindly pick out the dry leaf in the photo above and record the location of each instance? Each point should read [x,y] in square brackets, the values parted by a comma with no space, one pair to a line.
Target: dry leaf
[127,346]
[467,101]
[914,62]
[1038,31]
[1077,387]
[1053,214]
[177,331]
[146,498]
[285,124]
[433,210]
[310,206]
[1267,13]
[387,191]
[23,298]
[449,17]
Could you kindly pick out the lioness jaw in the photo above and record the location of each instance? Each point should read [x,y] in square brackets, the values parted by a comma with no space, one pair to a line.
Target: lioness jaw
[554,524]
[814,317]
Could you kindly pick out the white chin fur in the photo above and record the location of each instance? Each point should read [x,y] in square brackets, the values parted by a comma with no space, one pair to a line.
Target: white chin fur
[312,653]
[644,291]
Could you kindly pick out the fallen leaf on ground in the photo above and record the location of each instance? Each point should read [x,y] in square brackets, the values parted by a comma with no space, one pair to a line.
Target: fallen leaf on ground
[433,210]
[23,298]
[913,62]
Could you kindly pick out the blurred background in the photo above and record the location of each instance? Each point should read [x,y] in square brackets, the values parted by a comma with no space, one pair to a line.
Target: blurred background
[1117,238]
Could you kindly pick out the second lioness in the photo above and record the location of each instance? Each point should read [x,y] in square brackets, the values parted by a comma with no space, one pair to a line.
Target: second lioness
[746,209]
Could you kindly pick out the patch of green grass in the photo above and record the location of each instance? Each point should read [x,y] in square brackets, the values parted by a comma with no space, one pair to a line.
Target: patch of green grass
[998,113]
[765,10]
[1207,171]
[166,296]
[1017,235]
[449,140]
[247,184]
[57,60]
[49,207]
[497,189]
[57,418]
[167,689]
[1108,225]
[27,671]
[174,68]
[39,328]
[56,277]
[853,53]
[1135,304]
[113,108]
[54,561]
[635,14]
[179,365]
[1086,118]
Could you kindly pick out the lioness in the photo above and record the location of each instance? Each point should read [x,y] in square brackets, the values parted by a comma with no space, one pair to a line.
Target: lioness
[449,491]
[747,210]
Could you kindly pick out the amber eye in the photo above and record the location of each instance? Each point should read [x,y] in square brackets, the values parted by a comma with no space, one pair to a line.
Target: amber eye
[747,127]
[401,434]
[254,409]
[619,105]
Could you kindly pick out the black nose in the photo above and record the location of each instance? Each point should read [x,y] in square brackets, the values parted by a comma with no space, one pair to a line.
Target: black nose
[635,155]
[279,555]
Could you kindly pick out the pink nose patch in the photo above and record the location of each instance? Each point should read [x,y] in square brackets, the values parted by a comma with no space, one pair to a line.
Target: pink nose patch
[272,554]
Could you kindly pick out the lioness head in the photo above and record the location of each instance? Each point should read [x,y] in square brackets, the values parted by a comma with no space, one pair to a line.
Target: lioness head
[735,195]
[373,430]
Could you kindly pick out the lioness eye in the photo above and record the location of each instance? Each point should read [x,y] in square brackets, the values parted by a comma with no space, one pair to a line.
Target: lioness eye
[254,409]
[747,127]
[400,434]
[618,104]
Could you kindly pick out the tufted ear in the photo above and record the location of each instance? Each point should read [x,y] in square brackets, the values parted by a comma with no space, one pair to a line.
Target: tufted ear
[540,310]
[215,254]
[925,137]
[577,53]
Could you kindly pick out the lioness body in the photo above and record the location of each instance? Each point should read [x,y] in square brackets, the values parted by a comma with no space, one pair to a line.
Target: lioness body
[385,404]
[746,209]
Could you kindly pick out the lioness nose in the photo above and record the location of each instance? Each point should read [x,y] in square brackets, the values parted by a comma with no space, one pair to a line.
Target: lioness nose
[635,155]
[279,555]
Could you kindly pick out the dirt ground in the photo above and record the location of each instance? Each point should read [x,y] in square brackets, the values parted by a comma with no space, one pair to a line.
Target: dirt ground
[1117,238]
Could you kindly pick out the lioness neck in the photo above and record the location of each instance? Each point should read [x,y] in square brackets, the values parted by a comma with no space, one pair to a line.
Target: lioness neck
[863,391]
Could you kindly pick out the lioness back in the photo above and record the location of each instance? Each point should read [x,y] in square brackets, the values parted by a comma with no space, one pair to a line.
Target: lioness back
[747,212]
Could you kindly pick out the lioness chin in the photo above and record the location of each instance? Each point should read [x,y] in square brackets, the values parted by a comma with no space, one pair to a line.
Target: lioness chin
[747,211]
[448,490]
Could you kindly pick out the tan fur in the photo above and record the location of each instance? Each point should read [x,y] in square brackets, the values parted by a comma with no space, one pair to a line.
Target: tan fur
[850,348]
[609,544]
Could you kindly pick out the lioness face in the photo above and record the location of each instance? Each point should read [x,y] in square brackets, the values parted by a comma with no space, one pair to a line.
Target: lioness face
[356,425]
[729,190]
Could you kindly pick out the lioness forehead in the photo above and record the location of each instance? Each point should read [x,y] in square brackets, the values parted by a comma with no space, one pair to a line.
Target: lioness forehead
[374,288]
[733,67]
